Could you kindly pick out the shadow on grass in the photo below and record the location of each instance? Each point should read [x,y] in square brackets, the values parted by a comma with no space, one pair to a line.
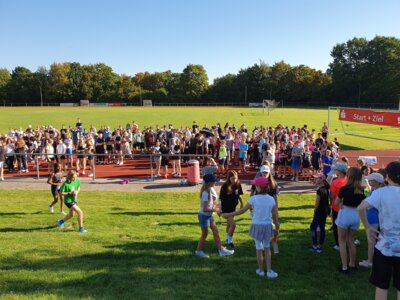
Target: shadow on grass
[5,214]
[154,213]
[296,207]
[345,147]
[30,229]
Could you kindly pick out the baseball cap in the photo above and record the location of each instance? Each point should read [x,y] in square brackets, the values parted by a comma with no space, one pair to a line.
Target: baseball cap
[375,176]
[210,178]
[264,169]
[340,167]
[260,181]
[320,175]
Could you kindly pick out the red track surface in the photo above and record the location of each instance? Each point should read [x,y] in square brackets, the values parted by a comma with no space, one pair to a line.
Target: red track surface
[139,168]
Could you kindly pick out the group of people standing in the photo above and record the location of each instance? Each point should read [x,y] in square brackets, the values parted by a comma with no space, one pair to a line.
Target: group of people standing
[289,151]
[351,194]
[347,194]
[264,212]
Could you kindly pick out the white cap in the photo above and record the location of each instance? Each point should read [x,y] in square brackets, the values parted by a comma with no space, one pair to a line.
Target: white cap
[375,176]
[265,169]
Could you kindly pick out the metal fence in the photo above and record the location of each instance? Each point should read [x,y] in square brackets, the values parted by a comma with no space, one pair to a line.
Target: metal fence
[40,158]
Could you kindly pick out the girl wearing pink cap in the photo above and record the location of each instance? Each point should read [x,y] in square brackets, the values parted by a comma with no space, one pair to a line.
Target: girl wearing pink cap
[261,231]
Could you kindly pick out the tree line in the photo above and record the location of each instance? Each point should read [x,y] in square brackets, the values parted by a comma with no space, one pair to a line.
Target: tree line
[362,73]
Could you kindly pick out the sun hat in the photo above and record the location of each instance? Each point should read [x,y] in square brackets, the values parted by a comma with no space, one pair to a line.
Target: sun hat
[340,167]
[260,181]
[375,176]
[265,169]
[210,178]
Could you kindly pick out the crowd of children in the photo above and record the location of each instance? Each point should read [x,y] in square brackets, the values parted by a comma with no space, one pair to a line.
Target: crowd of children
[294,151]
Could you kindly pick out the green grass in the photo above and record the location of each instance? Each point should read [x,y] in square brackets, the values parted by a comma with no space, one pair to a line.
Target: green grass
[184,116]
[141,246]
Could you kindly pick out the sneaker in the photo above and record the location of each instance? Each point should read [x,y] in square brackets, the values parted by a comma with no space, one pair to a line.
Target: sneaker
[365,264]
[201,253]
[357,242]
[225,252]
[260,273]
[272,274]
[51,209]
[340,270]
[60,223]
[318,250]
[90,175]
[336,247]
[313,249]
[352,269]
[63,213]
[82,230]
[83,172]
[231,246]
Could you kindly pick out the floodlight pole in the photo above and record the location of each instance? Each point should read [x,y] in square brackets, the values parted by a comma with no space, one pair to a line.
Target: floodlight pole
[41,95]
[399,101]
[140,93]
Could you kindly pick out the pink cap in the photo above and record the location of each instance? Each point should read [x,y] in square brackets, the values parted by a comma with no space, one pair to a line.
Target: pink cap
[260,181]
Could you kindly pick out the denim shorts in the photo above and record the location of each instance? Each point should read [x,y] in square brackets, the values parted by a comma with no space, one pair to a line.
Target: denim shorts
[205,220]
[348,218]
[296,163]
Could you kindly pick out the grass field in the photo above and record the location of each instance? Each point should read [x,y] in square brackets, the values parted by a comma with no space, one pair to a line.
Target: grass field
[141,246]
[184,116]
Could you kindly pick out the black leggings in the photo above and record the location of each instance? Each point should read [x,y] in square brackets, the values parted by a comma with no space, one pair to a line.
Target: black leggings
[335,232]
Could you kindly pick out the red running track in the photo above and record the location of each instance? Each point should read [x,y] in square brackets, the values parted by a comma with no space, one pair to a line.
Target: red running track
[139,168]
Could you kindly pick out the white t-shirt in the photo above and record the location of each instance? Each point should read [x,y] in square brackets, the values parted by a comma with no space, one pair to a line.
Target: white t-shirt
[262,208]
[61,149]
[210,204]
[387,201]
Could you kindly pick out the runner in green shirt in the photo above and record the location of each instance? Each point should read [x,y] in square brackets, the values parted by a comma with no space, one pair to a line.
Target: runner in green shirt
[70,190]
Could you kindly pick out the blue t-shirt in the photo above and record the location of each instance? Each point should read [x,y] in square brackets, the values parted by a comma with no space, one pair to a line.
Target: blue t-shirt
[243,148]
[373,216]
[327,160]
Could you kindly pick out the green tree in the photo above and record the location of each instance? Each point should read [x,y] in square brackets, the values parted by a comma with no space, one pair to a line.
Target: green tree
[59,84]
[126,90]
[22,87]
[255,82]
[194,81]
[41,77]
[5,79]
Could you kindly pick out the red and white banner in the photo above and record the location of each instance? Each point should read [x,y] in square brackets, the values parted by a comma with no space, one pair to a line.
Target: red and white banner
[370,117]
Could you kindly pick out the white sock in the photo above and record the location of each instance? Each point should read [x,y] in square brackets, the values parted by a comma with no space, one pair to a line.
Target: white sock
[229,238]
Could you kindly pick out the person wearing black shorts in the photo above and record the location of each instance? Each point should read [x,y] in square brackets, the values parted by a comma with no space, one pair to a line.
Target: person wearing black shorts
[55,182]
[164,150]
[230,195]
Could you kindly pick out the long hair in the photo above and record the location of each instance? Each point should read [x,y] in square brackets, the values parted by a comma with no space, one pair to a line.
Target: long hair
[205,187]
[228,183]
[354,177]
[271,182]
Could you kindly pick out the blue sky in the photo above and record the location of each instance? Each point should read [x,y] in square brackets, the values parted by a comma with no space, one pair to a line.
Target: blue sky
[158,35]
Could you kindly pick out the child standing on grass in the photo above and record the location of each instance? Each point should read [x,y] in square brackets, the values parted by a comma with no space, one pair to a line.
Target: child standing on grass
[209,205]
[321,211]
[375,181]
[230,195]
[386,260]
[263,206]
[70,190]
[55,182]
